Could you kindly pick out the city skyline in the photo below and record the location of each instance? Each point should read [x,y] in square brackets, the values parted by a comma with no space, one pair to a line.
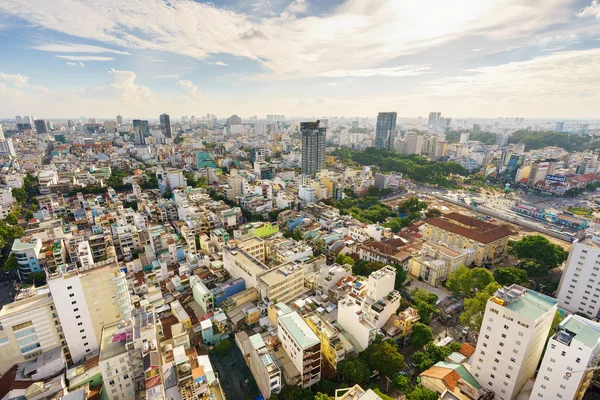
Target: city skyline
[334,57]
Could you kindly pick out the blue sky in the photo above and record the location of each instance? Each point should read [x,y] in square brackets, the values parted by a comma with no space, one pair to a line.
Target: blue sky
[466,58]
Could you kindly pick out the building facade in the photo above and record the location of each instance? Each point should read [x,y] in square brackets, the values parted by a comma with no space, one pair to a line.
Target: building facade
[313,147]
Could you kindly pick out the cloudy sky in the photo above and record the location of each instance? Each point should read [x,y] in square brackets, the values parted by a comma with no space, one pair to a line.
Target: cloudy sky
[465,58]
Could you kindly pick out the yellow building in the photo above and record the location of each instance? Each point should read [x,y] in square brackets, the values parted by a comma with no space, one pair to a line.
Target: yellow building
[332,347]
[488,240]
[401,325]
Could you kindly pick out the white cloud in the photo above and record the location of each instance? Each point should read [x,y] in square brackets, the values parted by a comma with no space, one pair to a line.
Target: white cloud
[122,88]
[18,81]
[86,58]
[357,35]
[593,10]
[190,90]
[403,70]
[168,76]
[220,64]
[76,64]
[75,48]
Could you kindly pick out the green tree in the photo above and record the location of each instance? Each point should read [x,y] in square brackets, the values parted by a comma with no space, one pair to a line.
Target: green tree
[401,382]
[424,303]
[508,275]
[533,268]
[167,194]
[323,396]
[472,317]
[421,334]
[421,393]
[364,267]
[381,395]
[38,277]
[343,259]
[401,276]
[433,212]
[373,191]
[385,358]
[432,355]
[354,371]
[20,195]
[326,386]
[293,393]
[11,218]
[11,263]
[465,282]
[540,249]
[223,348]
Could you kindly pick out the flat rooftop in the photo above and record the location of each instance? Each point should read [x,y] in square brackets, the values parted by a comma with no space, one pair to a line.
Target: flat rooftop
[249,263]
[41,299]
[279,274]
[299,330]
[113,341]
[586,331]
[524,301]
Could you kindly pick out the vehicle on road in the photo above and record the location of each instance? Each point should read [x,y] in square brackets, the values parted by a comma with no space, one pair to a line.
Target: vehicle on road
[464,331]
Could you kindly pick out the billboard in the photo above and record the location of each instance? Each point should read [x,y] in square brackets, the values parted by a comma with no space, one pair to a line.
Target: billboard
[556,178]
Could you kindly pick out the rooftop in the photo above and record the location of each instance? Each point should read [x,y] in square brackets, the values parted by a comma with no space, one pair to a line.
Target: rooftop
[247,262]
[301,332]
[581,329]
[469,227]
[524,301]
[113,341]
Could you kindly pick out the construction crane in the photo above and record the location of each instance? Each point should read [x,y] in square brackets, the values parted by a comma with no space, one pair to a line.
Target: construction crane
[568,374]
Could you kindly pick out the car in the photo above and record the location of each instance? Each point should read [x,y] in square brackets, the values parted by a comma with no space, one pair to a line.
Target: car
[464,331]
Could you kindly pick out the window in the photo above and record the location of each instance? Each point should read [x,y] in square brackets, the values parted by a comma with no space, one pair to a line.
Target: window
[546,378]
[512,359]
[487,336]
[508,376]
[504,335]
[76,309]
[69,287]
[563,353]
[520,333]
[549,369]
[492,376]
[82,330]
[552,360]
[73,302]
[505,326]
[578,360]
[77,316]
[501,344]
[72,295]
[499,352]
[496,361]
[563,387]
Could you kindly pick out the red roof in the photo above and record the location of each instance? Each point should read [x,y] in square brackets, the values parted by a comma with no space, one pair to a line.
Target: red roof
[472,228]
[585,178]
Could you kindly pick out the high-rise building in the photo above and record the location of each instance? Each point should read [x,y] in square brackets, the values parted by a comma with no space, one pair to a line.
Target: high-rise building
[559,127]
[24,127]
[258,154]
[1,133]
[234,120]
[414,144]
[385,132]
[432,122]
[579,288]
[40,126]
[574,347]
[7,147]
[313,147]
[514,331]
[165,126]
[18,119]
[354,124]
[260,128]
[464,137]
[119,120]
[141,130]
[476,128]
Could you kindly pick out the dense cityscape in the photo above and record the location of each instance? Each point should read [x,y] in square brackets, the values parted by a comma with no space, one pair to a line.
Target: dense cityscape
[299,200]
[285,258]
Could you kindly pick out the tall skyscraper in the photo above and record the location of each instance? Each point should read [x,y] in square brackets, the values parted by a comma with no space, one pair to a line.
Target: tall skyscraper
[40,126]
[165,126]
[234,120]
[18,119]
[559,127]
[119,120]
[514,331]
[1,133]
[385,132]
[433,120]
[141,130]
[313,147]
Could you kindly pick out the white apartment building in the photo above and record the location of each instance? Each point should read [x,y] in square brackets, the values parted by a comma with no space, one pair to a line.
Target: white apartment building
[573,348]
[307,194]
[354,321]
[511,340]
[302,346]
[27,251]
[28,327]
[282,284]
[85,300]
[84,254]
[579,288]
[328,277]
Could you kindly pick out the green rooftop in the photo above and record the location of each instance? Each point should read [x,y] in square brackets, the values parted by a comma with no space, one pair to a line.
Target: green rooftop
[529,304]
[586,331]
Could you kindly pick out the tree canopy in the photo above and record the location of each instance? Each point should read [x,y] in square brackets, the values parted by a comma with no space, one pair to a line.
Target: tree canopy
[539,249]
[534,140]
[385,358]
[424,303]
[421,393]
[421,334]
[472,317]
[433,354]
[465,282]
[506,276]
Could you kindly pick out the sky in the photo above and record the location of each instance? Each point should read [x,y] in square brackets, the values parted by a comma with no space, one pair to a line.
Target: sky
[464,58]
